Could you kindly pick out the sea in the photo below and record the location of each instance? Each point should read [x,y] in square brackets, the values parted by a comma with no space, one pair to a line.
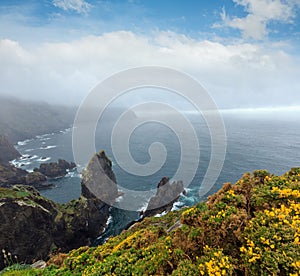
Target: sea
[263,138]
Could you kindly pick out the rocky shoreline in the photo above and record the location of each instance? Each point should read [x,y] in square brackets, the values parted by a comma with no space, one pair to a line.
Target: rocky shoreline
[33,227]
[41,226]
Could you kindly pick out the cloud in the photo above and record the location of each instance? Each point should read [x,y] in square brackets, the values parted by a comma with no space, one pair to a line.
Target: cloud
[260,14]
[80,6]
[236,75]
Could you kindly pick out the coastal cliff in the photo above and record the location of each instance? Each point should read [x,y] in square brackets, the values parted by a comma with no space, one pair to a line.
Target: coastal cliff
[32,226]
[7,150]
[21,119]
[247,228]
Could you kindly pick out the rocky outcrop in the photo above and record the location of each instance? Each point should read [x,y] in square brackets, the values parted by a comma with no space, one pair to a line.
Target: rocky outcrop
[7,150]
[33,226]
[10,175]
[37,180]
[98,180]
[167,194]
[26,223]
[55,169]
[84,220]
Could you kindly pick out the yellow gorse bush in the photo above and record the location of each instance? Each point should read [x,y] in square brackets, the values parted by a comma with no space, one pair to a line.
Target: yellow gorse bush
[249,228]
[272,236]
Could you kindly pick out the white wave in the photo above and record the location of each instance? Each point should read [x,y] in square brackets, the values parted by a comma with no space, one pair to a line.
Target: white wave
[48,147]
[72,173]
[66,130]
[29,150]
[109,220]
[43,159]
[177,205]
[120,198]
[23,143]
[32,157]
[28,156]
[24,156]
[42,136]
[20,164]
[15,162]
[144,207]
[161,214]
[45,139]
[188,190]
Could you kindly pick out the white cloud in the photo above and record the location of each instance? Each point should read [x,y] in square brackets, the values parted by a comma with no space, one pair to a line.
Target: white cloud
[79,6]
[237,75]
[260,13]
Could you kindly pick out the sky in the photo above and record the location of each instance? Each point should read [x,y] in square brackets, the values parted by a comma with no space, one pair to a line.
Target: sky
[244,52]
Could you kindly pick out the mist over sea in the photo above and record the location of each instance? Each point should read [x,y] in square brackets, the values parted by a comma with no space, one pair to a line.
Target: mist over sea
[256,139]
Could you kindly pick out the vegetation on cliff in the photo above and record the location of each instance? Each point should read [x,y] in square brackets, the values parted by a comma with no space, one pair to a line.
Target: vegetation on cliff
[249,228]
[33,226]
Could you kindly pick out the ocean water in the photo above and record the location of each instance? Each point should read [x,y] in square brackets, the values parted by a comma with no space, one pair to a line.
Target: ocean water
[256,139]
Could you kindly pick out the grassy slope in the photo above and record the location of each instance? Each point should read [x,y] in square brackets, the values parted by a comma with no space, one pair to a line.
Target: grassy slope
[249,228]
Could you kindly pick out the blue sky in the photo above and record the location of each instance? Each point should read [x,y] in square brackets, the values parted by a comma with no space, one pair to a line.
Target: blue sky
[235,48]
[197,19]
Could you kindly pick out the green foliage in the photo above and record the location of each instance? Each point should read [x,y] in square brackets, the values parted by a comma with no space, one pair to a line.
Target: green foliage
[249,228]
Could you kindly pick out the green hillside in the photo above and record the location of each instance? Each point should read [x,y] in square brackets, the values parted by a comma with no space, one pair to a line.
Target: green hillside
[249,228]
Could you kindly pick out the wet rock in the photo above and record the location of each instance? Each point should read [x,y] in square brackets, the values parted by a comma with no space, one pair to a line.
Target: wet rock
[167,194]
[55,169]
[37,180]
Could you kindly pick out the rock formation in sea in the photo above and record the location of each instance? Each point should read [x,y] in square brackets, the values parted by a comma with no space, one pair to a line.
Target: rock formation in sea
[166,195]
[32,226]
[55,169]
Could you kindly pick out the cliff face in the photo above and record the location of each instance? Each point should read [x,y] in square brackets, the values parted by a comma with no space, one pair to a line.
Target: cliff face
[33,226]
[20,120]
[26,223]
[7,150]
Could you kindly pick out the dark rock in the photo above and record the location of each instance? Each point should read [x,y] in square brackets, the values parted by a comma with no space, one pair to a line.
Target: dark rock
[166,195]
[26,224]
[34,178]
[37,180]
[98,180]
[7,150]
[32,226]
[55,169]
[10,175]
